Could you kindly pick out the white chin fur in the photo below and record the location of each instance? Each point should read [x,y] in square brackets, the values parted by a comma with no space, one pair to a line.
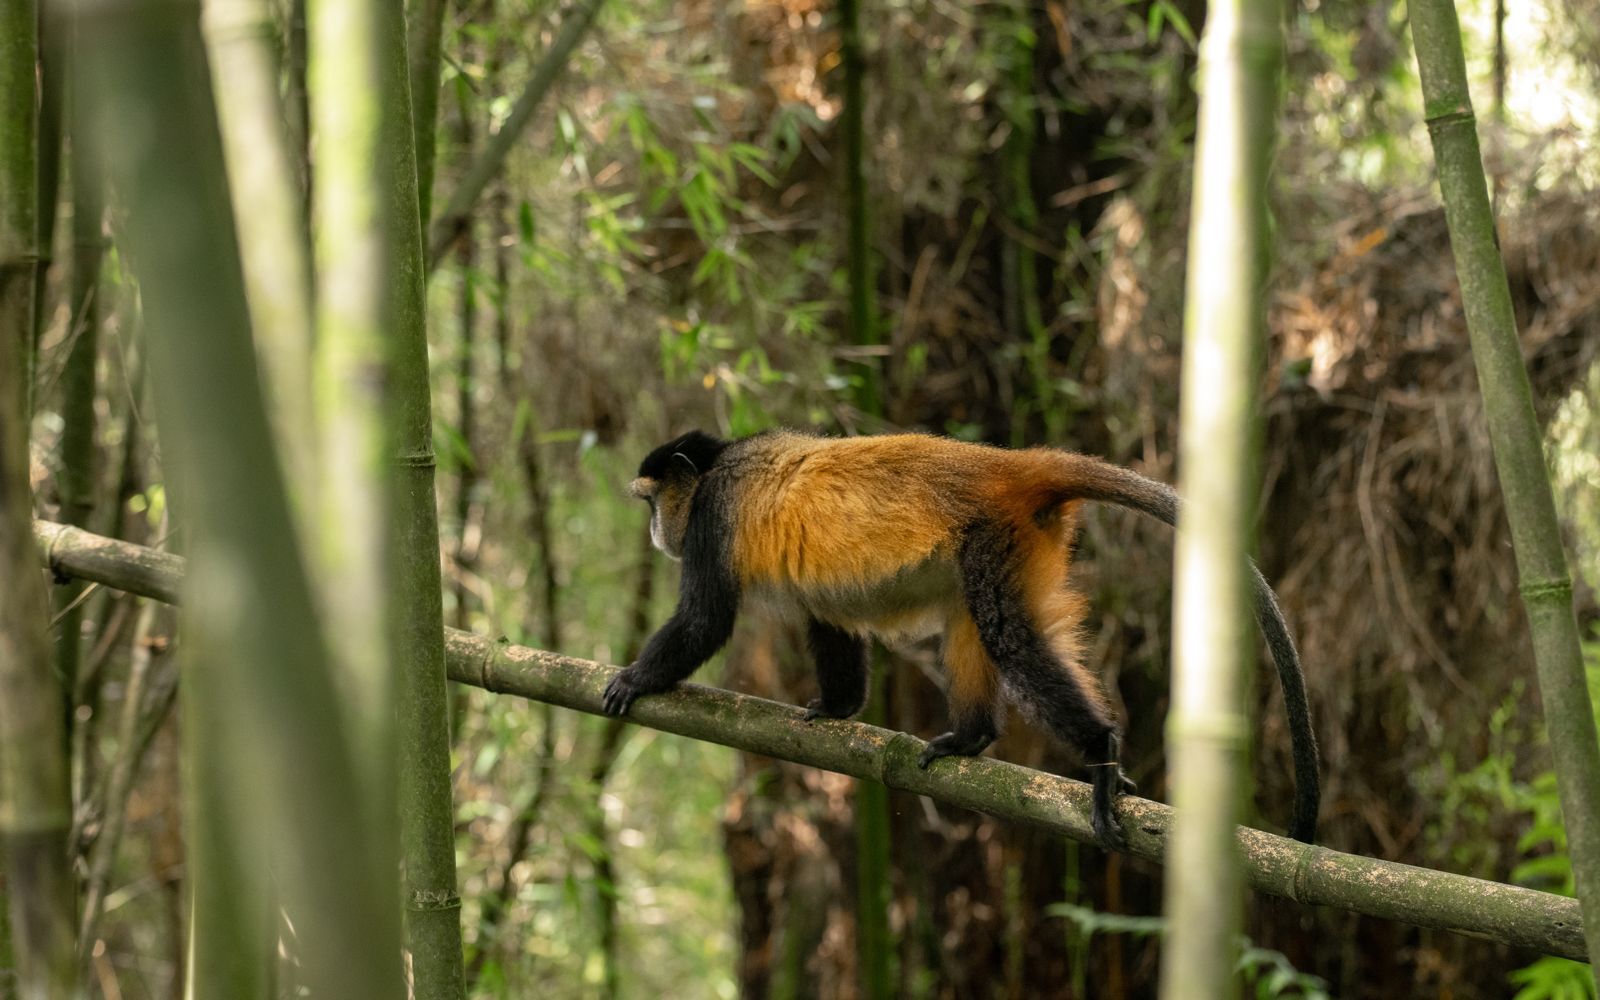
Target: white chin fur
[660,542]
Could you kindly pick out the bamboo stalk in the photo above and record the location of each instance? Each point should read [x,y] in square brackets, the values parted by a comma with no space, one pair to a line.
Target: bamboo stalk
[35,799]
[20,253]
[242,39]
[271,782]
[863,328]
[467,474]
[1545,581]
[78,450]
[427,816]
[1273,865]
[875,943]
[353,246]
[119,782]
[425,53]
[447,225]
[1208,742]
[54,43]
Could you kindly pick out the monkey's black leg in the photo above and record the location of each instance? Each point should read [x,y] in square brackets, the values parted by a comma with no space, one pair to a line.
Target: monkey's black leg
[841,660]
[708,601]
[990,557]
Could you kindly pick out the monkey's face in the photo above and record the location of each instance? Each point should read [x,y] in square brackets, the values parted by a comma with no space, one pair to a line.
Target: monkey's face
[667,479]
[669,509]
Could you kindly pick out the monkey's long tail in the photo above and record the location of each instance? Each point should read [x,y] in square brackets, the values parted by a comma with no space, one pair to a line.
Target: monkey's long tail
[1091,479]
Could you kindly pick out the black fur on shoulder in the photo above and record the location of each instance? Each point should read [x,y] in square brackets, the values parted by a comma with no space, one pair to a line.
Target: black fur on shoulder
[708,600]
[696,448]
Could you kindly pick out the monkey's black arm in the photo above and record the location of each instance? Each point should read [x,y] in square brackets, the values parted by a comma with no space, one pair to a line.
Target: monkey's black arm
[708,601]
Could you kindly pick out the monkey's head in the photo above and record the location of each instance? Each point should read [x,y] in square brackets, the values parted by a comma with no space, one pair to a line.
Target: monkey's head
[667,479]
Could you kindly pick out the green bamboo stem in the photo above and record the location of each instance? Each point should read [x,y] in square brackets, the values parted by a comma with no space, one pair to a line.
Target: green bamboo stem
[78,451]
[1273,865]
[20,252]
[863,328]
[1208,739]
[119,782]
[447,225]
[425,50]
[271,782]
[54,43]
[1514,433]
[35,800]
[353,247]
[427,816]
[467,475]
[874,942]
[242,39]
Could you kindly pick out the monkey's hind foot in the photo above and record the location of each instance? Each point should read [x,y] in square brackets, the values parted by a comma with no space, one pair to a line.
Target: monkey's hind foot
[1107,832]
[1109,782]
[955,744]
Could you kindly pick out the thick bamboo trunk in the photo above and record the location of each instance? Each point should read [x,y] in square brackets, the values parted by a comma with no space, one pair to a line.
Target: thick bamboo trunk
[268,203]
[271,782]
[35,803]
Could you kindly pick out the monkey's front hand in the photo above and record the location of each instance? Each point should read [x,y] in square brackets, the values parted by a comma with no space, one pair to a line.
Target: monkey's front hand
[627,685]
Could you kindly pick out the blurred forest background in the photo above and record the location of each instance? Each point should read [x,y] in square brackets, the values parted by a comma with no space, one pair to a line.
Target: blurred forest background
[666,249]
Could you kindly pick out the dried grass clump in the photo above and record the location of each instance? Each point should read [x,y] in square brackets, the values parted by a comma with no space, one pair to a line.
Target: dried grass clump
[1382,522]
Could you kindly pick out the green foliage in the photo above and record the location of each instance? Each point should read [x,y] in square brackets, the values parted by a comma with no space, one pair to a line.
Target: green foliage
[1268,973]
[1477,799]
[663,801]
[1548,866]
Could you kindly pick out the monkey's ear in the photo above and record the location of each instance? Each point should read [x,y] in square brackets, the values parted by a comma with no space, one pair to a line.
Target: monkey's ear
[695,453]
[701,449]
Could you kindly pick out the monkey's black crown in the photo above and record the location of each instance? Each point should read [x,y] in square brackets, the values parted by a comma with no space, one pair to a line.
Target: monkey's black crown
[696,448]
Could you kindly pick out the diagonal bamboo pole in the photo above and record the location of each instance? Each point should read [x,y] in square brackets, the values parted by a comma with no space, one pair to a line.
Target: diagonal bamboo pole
[1545,582]
[1276,866]
[447,224]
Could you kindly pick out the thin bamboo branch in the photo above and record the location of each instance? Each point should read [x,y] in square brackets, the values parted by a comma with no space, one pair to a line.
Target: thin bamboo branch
[119,782]
[1276,866]
[447,226]
[1514,434]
